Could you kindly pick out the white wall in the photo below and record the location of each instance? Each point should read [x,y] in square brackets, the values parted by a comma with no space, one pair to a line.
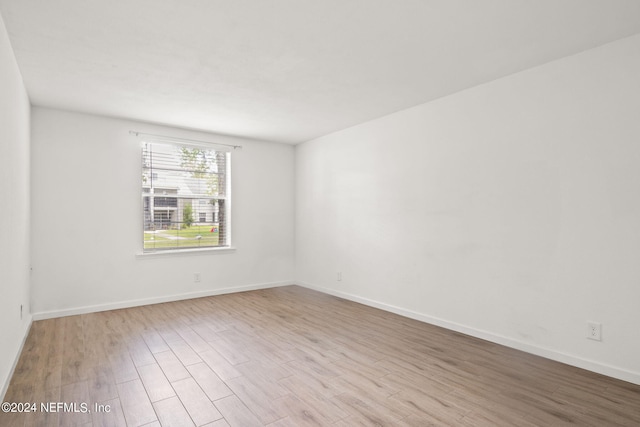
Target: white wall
[510,211]
[87,220]
[14,209]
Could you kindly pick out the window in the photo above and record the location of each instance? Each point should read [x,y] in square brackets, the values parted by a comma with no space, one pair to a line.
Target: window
[183,186]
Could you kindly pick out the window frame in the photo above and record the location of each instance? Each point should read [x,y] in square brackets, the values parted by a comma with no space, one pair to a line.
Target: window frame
[222,215]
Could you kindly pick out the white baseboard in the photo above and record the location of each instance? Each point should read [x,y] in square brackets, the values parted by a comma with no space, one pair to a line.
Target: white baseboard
[590,365]
[5,386]
[154,300]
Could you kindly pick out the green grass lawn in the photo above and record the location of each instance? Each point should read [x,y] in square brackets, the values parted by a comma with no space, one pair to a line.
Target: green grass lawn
[185,238]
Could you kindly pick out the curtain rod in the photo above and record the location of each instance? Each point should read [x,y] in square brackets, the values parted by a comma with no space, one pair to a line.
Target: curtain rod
[171,138]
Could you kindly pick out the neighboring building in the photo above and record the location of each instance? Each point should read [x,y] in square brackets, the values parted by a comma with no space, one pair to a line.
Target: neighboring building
[164,207]
[166,193]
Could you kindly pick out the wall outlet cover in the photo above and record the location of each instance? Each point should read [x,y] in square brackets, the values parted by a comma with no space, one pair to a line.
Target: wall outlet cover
[594,331]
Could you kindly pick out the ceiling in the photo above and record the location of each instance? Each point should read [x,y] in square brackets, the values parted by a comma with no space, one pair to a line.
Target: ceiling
[288,70]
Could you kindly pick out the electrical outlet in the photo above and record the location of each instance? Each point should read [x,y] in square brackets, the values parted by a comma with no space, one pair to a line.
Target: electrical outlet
[20,311]
[196,277]
[594,331]
[339,276]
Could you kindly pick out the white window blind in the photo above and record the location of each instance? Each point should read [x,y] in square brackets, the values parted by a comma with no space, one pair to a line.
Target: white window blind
[185,196]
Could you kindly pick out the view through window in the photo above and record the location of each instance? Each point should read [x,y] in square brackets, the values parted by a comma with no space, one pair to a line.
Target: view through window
[185,196]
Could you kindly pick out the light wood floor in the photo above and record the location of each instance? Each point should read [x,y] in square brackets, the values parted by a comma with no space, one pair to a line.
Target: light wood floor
[293,357]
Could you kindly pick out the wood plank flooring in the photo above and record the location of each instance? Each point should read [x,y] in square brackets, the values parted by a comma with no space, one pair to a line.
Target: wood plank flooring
[294,357]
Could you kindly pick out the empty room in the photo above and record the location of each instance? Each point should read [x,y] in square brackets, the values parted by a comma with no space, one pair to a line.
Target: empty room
[320,213]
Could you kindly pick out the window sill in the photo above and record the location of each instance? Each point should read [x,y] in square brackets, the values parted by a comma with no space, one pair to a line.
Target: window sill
[185,252]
